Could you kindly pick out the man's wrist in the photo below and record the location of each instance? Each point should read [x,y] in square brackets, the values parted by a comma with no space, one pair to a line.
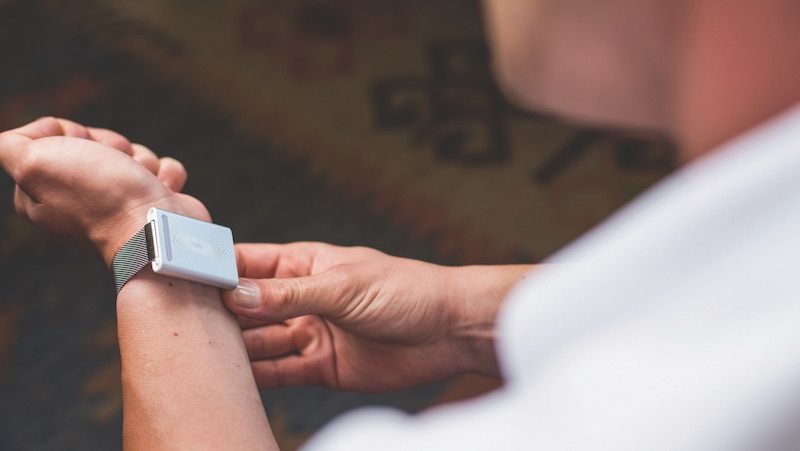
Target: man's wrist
[114,233]
[477,293]
[110,238]
[115,237]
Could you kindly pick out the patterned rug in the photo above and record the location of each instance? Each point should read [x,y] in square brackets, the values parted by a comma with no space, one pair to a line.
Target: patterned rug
[348,121]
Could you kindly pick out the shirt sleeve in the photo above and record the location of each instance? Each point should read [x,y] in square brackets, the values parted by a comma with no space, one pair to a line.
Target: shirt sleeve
[493,421]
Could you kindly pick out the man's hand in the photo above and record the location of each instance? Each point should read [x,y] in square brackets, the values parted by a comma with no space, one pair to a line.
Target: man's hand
[90,187]
[357,319]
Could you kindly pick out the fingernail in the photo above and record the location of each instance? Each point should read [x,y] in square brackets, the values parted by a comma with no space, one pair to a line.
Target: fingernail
[247,295]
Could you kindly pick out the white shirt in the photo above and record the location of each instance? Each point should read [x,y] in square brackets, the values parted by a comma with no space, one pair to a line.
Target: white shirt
[675,325]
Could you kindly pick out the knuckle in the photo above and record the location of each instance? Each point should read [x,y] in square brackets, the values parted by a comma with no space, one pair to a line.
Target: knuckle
[306,246]
[285,292]
[339,274]
[258,346]
[118,141]
[32,166]
[50,126]
[363,253]
[49,121]
[177,164]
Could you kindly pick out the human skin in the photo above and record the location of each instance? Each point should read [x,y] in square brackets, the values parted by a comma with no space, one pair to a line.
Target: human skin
[685,68]
[702,71]
[722,67]
[186,378]
[358,319]
[388,323]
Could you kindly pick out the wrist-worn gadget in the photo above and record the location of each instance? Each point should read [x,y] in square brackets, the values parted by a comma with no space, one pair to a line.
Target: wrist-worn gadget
[180,247]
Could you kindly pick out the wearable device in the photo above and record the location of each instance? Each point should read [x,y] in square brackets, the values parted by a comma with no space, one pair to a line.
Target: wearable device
[180,247]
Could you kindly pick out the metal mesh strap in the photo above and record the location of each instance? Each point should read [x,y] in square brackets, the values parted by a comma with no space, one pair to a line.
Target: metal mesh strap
[132,257]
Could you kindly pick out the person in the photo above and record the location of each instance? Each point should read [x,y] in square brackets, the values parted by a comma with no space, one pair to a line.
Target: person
[671,326]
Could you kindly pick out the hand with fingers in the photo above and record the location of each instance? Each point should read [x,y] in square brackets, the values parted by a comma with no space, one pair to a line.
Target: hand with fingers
[90,187]
[311,313]
[359,320]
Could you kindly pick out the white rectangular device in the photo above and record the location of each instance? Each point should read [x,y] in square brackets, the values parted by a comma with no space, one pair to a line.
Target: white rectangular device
[187,248]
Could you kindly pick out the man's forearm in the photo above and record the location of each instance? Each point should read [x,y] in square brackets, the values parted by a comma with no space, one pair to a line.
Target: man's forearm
[186,377]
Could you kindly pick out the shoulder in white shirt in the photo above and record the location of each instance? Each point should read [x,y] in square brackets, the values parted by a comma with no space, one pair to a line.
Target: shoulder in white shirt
[674,325]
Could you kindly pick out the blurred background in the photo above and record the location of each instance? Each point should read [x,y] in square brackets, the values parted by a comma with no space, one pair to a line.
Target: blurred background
[354,122]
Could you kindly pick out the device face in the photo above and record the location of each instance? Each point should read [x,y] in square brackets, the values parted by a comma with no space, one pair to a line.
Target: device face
[187,248]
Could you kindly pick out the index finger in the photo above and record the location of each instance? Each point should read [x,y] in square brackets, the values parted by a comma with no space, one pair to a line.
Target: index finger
[266,260]
[12,147]
[14,142]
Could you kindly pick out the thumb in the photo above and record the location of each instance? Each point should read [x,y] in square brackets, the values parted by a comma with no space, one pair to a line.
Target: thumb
[280,299]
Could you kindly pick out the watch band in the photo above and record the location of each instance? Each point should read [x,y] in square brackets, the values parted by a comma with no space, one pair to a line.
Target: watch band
[134,255]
